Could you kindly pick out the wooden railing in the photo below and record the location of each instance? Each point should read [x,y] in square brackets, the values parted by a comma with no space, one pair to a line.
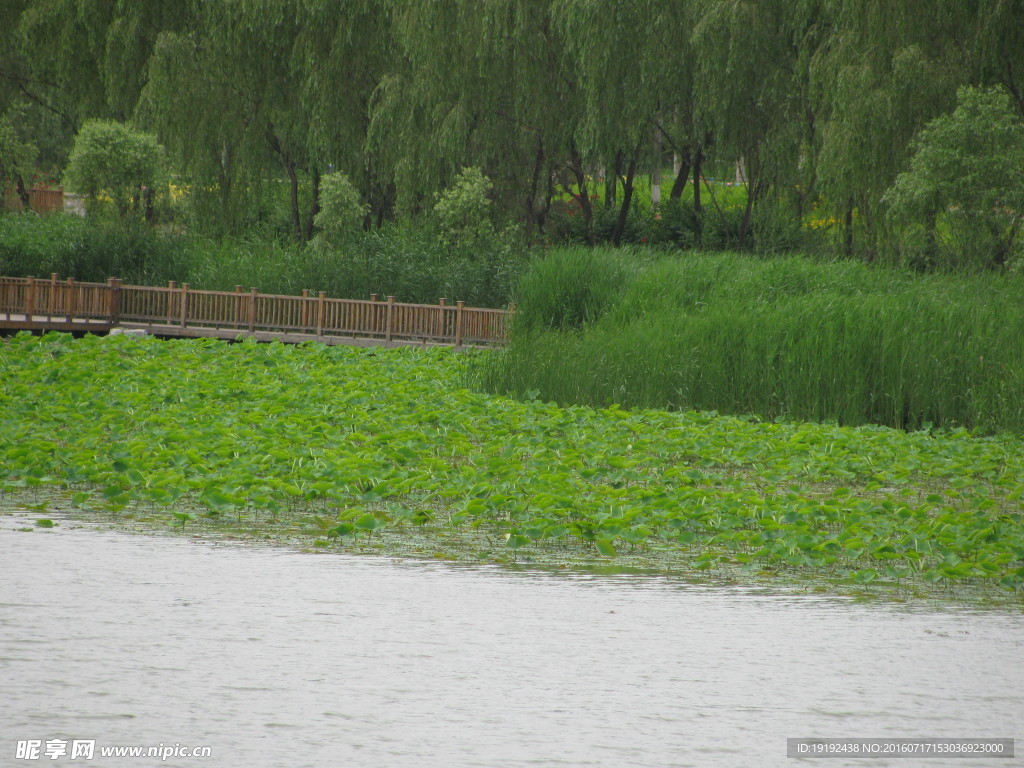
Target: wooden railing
[45,302]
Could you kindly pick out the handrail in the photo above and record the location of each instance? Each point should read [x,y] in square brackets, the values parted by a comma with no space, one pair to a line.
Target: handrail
[164,308]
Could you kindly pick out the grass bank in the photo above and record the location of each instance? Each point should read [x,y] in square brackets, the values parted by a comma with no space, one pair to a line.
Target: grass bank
[346,448]
[782,338]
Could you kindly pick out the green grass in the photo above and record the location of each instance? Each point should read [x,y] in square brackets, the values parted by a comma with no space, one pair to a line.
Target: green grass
[781,338]
[346,448]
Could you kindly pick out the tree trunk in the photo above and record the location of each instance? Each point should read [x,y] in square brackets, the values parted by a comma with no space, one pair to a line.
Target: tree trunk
[583,197]
[293,197]
[314,206]
[19,184]
[753,191]
[537,217]
[682,176]
[627,197]
[225,181]
[656,171]
[611,181]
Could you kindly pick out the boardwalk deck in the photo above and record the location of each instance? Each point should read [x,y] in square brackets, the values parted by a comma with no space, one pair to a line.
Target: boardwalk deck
[180,311]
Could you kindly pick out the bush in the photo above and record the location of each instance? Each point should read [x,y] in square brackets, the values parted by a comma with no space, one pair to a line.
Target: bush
[111,161]
[961,204]
[405,261]
[463,211]
[341,211]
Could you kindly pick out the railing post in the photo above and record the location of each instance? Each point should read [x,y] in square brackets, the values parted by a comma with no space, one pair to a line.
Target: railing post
[114,287]
[53,305]
[304,322]
[30,298]
[252,310]
[172,288]
[183,319]
[459,306]
[321,305]
[238,306]
[69,299]
[390,315]
[441,303]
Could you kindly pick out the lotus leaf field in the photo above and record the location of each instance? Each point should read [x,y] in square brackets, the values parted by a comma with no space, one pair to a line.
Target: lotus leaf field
[348,448]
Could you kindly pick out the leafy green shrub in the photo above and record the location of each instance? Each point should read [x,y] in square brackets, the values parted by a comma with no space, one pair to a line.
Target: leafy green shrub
[961,204]
[341,211]
[463,211]
[111,161]
[400,260]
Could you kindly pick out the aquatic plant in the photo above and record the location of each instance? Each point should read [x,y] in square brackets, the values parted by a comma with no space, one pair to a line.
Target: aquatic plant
[351,446]
[784,337]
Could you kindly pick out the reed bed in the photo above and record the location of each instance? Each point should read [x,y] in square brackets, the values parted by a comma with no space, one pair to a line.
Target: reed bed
[780,338]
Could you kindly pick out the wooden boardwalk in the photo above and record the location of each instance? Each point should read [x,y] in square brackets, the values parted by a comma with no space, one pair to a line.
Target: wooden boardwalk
[179,311]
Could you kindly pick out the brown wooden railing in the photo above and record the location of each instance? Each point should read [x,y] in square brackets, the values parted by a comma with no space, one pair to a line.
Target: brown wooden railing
[42,303]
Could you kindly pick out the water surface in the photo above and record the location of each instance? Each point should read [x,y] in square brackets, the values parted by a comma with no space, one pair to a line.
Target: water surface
[276,658]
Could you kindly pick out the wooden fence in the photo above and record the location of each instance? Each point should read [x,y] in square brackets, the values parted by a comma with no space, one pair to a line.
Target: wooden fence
[39,200]
[173,310]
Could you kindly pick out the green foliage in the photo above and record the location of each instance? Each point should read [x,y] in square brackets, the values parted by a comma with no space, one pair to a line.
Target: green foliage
[785,338]
[569,289]
[820,101]
[91,250]
[463,211]
[17,156]
[341,211]
[961,204]
[347,446]
[112,160]
[404,261]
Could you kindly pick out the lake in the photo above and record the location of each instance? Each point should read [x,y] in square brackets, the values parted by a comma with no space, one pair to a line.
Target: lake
[273,657]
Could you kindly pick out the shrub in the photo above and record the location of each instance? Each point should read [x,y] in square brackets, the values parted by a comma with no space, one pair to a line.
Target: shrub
[341,211]
[111,161]
[961,204]
[463,211]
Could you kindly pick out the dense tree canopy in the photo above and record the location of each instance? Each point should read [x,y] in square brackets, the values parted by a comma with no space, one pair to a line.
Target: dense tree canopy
[820,101]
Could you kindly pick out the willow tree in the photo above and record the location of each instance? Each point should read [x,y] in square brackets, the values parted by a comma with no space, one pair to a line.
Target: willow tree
[63,43]
[998,47]
[754,96]
[252,90]
[33,99]
[888,69]
[632,95]
[342,50]
[486,85]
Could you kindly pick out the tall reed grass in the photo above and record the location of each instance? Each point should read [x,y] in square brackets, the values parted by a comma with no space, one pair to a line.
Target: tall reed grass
[404,261]
[781,338]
